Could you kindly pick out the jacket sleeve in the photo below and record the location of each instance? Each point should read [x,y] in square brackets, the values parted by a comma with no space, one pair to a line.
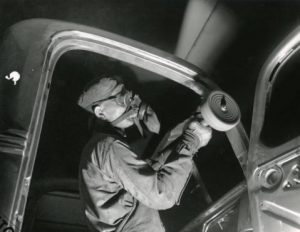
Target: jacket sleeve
[159,189]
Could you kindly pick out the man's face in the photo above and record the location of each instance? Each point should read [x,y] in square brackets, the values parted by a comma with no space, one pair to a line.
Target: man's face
[110,110]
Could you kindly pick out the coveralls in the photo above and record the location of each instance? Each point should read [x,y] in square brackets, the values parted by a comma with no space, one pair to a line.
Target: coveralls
[124,193]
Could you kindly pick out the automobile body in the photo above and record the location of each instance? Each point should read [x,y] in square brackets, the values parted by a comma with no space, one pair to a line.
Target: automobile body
[32,48]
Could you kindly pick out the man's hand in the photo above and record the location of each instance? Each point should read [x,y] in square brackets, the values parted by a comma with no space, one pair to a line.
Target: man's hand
[196,135]
[201,131]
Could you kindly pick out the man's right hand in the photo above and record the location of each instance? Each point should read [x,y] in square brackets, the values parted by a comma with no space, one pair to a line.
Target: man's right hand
[201,131]
[196,135]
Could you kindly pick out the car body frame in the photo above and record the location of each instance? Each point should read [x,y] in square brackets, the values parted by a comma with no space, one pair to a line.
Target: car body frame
[31,49]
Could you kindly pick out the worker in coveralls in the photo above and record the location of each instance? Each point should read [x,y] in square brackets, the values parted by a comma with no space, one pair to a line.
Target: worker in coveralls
[120,191]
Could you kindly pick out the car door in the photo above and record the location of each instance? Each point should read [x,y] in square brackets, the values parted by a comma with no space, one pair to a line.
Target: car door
[29,52]
[273,160]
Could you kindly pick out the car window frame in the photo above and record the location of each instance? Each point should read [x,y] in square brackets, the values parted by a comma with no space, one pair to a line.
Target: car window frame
[49,40]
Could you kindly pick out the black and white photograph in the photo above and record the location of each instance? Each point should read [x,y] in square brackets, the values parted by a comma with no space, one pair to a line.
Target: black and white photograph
[149,116]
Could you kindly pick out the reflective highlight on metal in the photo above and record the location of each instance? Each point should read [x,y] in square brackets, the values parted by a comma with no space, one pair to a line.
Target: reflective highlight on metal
[67,40]
[277,196]
[271,177]
[280,211]
[221,216]
[293,178]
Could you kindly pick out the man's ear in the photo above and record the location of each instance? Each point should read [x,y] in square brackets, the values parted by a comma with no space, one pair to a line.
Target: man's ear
[97,111]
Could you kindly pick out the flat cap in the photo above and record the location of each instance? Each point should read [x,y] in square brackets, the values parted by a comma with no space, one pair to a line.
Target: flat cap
[98,90]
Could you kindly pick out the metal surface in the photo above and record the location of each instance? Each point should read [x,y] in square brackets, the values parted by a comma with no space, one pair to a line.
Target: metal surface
[220,214]
[239,141]
[292,180]
[277,200]
[272,172]
[244,217]
[270,178]
[281,212]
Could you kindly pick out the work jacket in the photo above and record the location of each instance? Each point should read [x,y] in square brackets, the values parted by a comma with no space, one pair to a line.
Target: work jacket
[122,192]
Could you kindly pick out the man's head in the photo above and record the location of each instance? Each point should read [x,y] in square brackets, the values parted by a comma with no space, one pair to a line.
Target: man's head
[108,100]
[101,98]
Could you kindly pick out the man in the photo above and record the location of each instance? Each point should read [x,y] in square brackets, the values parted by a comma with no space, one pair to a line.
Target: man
[120,191]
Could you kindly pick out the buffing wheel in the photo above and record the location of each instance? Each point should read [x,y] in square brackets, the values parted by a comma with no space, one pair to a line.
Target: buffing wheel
[220,111]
